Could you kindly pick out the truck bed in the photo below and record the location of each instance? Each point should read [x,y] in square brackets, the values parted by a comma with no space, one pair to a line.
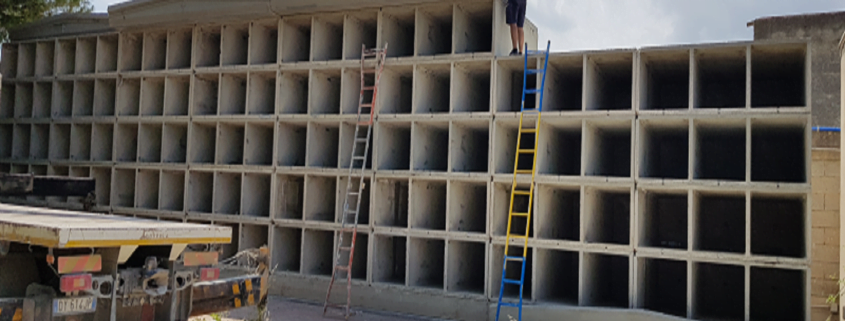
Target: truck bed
[68,229]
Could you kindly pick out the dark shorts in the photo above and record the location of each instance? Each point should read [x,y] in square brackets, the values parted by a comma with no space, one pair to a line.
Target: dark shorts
[515,13]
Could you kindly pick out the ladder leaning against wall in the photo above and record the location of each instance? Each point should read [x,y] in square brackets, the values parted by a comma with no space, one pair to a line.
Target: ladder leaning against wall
[372,64]
[522,193]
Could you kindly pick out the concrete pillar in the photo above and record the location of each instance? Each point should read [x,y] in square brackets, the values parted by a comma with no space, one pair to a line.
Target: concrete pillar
[841,164]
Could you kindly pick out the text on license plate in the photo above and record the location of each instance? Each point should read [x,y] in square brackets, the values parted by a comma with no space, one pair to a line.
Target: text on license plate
[70,306]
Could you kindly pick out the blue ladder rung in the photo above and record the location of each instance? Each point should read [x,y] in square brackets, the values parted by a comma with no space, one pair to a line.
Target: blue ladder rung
[512,305]
[516,282]
[532,91]
[534,71]
[536,52]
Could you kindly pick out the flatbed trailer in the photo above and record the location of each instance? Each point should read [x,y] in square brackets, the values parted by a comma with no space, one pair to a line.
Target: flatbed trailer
[67,265]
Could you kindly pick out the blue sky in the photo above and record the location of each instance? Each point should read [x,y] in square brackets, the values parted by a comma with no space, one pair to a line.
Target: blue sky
[602,24]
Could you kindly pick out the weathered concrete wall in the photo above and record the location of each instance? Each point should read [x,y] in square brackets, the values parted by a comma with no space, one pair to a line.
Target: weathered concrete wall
[823,32]
[825,235]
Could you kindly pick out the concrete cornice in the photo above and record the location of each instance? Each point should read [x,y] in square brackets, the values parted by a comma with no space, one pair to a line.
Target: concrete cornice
[62,25]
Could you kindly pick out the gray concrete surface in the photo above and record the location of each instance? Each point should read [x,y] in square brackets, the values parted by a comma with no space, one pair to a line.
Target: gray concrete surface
[282,309]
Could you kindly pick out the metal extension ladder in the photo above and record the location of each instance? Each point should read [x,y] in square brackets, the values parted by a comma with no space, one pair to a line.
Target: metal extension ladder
[372,63]
[520,194]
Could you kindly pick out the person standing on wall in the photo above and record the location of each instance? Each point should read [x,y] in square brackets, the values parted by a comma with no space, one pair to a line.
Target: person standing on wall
[515,12]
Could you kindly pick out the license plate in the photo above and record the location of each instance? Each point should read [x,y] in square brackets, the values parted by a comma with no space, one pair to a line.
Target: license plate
[73,306]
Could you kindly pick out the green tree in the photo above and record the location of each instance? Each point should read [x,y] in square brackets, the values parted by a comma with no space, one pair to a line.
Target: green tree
[14,13]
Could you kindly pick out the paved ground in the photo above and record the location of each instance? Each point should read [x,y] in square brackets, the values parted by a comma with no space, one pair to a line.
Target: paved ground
[286,310]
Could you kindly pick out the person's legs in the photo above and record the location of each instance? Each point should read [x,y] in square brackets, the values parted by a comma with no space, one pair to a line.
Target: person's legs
[515,31]
[512,19]
[520,22]
[521,36]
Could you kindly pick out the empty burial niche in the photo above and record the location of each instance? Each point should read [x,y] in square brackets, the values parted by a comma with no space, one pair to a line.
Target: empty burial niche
[105,93]
[107,53]
[664,80]
[42,99]
[208,46]
[126,143]
[292,142]
[152,96]
[429,139]
[391,203]
[256,195]
[172,191]
[102,177]
[426,263]
[44,55]
[609,82]
[319,254]
[102,139]
[39,141]
[6,140]
[350,91]
[227,193]
[778,225]
[296,39]
[131,51]
[328,37]
[607,216]
[664,149]
[393,151]
[718,292]
[62,99]
[149,143]
[290,196]
[86,55]
[235,44]
[721,150]
[557,276]
[259,141]
[778,76]
[83,98]
[66,57]
[342,198]
[25,60]
[610,149]
[230,144]
[59,141]
[360,29]
[206,90]
[263,42]
[465,263]
[323,144]
[663,221]
[293,86]
[80,143]
[233,94]
[434,30]
[777,294]
[663,286]
[7,101]
[467,210]
[123,188]
[200,191]
[778,152]
[320,197]
[432,83]
[203,142]
[177,91]
[389,262]
[147,189]
[605,283]
[359,261]
[565,82]
[501,202]
[398,31]
[155,50]
[514,272]
[261,99]
[229,250]
[509,84]
[719,223]
[287,249]
[469,149]
[428,205]
[179,43]
[473,28]
[559,149]
[559,213]
[325,92]
[23,100]
[21,141]
[9,65]
[504,145]
[253,236]
[128,97]
[396,90]
[471,87]
[720,78]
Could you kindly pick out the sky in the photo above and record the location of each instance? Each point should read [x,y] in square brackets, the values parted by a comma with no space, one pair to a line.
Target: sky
[604,24]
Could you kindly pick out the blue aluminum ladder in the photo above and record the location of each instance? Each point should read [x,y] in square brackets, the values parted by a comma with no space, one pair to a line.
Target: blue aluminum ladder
[534,113]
